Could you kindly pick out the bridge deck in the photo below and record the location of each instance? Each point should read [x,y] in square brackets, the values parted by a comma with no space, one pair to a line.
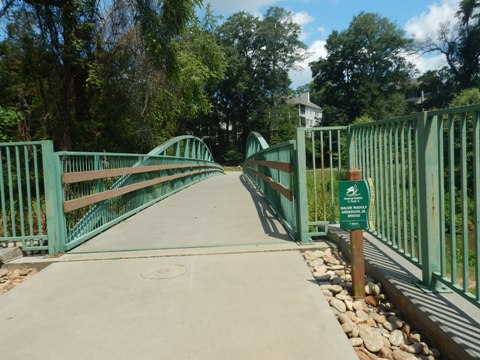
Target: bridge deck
[152,304]
[223,210]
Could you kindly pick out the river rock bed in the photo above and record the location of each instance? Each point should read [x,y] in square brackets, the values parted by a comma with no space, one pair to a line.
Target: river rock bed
[373,324]
[9,278]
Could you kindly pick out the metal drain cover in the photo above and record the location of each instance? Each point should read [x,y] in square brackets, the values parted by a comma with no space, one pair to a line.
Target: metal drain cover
[164,272]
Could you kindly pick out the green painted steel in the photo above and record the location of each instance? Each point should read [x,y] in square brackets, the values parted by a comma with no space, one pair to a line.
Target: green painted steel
[23,196]
[32,193]
[84,223]
[284,208]
[322,167]
[426,171]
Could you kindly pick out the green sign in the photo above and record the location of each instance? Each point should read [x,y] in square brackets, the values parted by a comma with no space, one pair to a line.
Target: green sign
[355,204]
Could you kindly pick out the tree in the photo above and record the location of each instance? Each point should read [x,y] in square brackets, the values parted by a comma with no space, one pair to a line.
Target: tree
[365,72]
[260,53]
[460,45]
[67,36]
[279,49]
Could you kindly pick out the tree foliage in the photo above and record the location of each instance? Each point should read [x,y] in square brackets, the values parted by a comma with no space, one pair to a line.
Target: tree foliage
[460,46]
[260,53]
[364,72]
[121,77]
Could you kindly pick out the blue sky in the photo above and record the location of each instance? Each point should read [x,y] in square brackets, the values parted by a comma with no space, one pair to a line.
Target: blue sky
[419,18]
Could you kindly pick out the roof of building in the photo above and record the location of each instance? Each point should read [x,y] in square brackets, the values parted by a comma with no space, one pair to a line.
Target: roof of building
[303,101]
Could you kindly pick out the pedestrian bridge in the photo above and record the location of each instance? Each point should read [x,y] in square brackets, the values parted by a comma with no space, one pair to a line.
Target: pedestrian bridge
[425,170]
[224,210]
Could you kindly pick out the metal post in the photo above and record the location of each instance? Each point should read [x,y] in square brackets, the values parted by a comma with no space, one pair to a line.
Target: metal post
[356,250]
[53,199]
[301,188]
[429,195]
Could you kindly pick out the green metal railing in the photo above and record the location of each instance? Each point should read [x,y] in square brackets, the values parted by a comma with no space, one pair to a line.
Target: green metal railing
[102,189]
[325,154]
[425,169]
[271,169]
[387,152]
[56,201]
[27,186]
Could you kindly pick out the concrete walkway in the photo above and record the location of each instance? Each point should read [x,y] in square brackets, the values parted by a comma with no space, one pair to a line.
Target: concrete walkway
[223,210]
[259,302]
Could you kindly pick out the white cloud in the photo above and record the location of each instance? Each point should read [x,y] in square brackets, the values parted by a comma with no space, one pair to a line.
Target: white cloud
[302,18]
[426,25]
[303,74]
[322,30]
[427,61]
[228,7]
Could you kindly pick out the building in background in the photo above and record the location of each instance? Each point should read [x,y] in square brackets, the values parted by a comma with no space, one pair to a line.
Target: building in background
[310,114]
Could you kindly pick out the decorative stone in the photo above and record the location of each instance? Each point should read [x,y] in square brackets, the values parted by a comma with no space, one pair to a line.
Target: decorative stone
[415,348]
[310,255]
[317,262]
[336,280]
[336,267]
[402,355]
[343,318]
[395,321]
[3,272]
[415,337]
[335,289]
[369,288]
[327,293]
[371,322]
[361,355]
[319,253]
[24,272]
[339,305]
[15,274]
[339,273]
[356,341]
[406,330]
[362,315]
[372,300]
[388,326]
[397,338]
[4,286]
[357,305]
[386,353]
[379,318]
[324,277]
[348,327]
[330,259]
[381,331]
[355,332]
[320,269]
[377,289]
[349,305]
[372,340]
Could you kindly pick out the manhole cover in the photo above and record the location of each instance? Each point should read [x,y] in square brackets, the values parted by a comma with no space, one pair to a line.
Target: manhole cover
[164,272]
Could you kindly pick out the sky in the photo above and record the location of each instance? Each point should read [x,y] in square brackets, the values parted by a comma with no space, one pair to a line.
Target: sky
[318,18]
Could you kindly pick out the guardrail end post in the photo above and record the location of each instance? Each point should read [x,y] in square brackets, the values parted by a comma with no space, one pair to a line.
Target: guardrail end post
[301,204]
[53,199]
[429,191]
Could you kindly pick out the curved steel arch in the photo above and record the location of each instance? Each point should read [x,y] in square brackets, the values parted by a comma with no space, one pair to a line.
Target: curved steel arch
[186,147]
[191,146]
[255,143]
